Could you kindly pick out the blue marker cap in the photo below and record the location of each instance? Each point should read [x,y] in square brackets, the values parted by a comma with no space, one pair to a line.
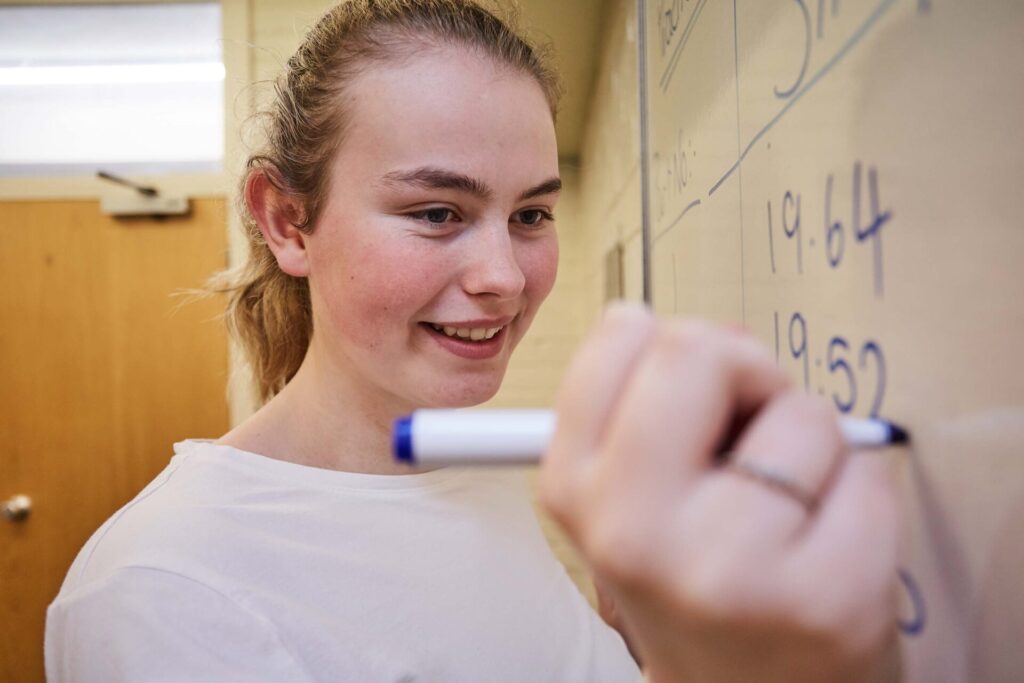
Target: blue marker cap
[401,437]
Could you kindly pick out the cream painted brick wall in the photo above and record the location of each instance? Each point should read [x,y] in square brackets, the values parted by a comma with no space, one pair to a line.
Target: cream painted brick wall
[610,160]
[608,202]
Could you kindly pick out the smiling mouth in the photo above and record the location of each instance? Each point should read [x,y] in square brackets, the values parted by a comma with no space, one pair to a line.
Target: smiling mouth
[476,334]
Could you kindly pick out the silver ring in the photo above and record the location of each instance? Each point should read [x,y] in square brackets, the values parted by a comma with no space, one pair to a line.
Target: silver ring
[775,482]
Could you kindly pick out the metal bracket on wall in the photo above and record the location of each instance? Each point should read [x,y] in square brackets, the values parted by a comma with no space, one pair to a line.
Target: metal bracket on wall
[145,201]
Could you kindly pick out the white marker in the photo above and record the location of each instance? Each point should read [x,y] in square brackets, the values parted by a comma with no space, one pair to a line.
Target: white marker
[508,437]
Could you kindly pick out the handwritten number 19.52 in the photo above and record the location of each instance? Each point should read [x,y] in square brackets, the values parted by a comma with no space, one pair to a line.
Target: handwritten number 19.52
[843,376]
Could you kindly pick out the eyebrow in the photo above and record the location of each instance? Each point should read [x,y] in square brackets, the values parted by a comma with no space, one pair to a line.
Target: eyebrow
[550,186]
[432,178]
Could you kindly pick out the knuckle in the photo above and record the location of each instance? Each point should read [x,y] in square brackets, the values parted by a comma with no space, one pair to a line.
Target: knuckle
[765,361]
[850,625]
[679,337]
[554,497]
[625,315]
[885,489]
[878,495]
[713,588]
[815,416]
[617,551]
[717,349]
[871,636]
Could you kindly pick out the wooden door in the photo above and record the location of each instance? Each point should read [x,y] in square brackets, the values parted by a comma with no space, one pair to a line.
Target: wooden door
[102,368]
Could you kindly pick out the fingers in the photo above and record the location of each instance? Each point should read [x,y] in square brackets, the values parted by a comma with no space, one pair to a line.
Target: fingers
[691,549]
[852,547]
[792,448]
[692,381]
[590,391]
[683,398]
[599,371]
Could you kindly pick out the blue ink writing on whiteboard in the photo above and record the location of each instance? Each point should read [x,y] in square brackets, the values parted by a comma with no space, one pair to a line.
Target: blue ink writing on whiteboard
[790,226]
[842,228]
[668,22]
[858,35]
[835,237]
[914,624]
[838,347]
[670,174]
[668,25]
[799,350]
[838,377]
[805,60]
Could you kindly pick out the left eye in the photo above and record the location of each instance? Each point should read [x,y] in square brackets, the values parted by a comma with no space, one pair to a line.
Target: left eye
[437,215]
[534,216]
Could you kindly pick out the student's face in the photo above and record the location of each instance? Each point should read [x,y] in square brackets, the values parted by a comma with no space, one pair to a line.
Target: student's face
[435,217]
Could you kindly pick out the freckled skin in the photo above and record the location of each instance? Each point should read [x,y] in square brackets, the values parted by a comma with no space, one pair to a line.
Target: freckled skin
[375,274]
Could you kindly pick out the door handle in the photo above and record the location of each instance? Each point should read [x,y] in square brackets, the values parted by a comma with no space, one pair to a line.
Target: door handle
[16,508]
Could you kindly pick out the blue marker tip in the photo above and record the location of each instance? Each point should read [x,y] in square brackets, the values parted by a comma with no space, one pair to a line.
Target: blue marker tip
[402,439]
[898,434]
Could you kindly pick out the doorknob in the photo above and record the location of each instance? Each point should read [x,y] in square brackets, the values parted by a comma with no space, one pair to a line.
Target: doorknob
[16,508]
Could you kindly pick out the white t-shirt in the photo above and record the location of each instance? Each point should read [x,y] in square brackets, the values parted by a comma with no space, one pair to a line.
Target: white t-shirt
[231,566]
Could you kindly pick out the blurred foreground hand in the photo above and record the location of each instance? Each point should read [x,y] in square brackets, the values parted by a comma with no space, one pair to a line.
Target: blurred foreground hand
[778,564]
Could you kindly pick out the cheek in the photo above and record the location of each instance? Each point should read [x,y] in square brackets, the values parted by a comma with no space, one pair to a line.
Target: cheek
[369,289]
[540,266]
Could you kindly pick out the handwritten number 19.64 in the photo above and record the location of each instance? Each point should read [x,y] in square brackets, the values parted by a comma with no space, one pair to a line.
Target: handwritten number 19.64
[835,238]
[837,223]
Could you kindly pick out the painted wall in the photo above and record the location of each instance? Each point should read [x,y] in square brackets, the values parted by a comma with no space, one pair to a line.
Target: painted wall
[610,163]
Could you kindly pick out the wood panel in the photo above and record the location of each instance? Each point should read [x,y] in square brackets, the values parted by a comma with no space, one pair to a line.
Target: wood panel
[102,369]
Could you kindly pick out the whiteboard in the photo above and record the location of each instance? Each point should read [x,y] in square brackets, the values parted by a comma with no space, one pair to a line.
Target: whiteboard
[846,177]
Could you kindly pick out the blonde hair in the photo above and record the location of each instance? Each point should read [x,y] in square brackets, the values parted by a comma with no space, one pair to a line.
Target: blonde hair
[268,311]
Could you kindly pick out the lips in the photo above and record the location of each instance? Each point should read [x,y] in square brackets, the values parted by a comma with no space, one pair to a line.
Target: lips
[464,333]
[480,349]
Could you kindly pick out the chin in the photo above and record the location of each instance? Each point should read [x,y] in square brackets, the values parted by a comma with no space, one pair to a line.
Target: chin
[465,395]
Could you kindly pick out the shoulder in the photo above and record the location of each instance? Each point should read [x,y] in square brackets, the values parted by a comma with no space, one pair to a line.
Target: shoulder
[138,622]
[172,518]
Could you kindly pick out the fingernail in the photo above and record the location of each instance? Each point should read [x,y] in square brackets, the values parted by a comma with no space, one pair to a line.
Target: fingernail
[736,328]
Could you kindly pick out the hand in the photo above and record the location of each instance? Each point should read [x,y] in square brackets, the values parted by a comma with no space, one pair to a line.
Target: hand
[719,575]
[610,615]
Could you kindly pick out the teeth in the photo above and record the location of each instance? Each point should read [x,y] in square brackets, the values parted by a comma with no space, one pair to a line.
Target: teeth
[471,333]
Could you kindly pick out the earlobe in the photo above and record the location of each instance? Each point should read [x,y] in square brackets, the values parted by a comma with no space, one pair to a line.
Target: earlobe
[276,213]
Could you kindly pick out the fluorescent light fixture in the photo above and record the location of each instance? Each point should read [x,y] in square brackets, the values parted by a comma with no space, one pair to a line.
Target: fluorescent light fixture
[194,72]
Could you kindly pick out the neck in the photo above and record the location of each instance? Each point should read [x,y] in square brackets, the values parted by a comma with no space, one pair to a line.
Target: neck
[325,418]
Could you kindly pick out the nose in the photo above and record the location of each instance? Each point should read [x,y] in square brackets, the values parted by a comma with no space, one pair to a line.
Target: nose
[492,266]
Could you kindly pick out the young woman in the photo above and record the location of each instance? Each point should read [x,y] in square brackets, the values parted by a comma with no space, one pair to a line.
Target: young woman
[401,233]
[402,239]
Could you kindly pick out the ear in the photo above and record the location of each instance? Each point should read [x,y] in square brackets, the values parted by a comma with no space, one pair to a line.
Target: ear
[276,213]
